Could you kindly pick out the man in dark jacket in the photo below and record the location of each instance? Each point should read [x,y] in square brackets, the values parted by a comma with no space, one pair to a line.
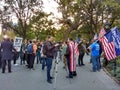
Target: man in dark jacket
[6,48]
[49,56]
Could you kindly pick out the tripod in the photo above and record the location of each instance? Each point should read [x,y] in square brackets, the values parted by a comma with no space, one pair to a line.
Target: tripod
[55,71]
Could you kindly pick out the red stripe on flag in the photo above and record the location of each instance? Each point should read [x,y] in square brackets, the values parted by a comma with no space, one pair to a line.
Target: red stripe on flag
[76,49]
[109,49]
[101,33]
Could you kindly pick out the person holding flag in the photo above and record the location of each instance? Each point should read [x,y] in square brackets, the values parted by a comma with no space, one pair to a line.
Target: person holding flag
[70,55]
[111,43]
[95,54]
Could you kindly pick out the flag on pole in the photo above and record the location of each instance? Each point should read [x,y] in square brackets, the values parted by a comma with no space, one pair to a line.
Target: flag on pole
[77,39]
[102,33]
[108,46]
[116,39]
[95,36]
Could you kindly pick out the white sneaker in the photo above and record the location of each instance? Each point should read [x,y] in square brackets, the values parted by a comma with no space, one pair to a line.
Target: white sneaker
[16,64]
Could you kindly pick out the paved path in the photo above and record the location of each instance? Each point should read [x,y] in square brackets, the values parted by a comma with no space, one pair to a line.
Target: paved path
[24,79]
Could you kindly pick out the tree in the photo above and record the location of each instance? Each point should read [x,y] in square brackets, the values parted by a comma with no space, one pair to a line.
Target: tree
[23,10]
[41,26]
[72,15]
[79,14]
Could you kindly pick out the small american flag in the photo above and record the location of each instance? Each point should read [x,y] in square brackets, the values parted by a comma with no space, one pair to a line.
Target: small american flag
[102,33]
[95,36]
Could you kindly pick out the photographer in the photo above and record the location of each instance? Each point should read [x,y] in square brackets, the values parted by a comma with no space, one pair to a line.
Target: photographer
[48,51]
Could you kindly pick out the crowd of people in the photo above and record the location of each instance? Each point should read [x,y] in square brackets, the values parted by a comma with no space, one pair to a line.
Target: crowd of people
[71,53]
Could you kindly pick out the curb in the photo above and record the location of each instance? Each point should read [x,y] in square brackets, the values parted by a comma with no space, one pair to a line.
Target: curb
[115,79]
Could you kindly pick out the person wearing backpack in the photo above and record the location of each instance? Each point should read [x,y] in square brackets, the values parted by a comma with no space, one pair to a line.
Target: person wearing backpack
[29,54]
[48,51]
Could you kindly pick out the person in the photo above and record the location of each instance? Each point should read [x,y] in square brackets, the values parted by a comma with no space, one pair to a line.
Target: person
[43,57]
[23,53]
[64,47]
[38,53]
[49,46]
[100,52]
[15,55]
[95,54]
[7,54]
[107,26]
[70,55]
[33,54]
[82,51]
[29,55]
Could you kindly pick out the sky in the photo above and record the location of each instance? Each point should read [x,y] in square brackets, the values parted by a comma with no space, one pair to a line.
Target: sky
[51,6]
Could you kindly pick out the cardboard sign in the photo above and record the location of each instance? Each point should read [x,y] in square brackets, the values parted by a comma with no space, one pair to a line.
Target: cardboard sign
[18,43]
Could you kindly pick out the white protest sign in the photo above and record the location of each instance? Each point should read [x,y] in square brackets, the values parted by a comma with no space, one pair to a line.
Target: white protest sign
[18,43]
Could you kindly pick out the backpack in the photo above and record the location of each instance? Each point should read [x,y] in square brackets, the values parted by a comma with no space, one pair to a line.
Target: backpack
[30,48]
[44,49]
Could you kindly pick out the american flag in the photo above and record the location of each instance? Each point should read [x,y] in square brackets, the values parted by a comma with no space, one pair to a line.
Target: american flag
[95,36]
[76,48]
[108,46]
[102,33]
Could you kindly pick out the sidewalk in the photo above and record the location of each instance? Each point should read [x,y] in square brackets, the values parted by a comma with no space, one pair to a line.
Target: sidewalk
[24,79]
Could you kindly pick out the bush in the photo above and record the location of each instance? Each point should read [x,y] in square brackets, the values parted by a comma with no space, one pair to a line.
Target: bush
[118,76]
[110,66]
[118,61]
[112,72]
[118,70]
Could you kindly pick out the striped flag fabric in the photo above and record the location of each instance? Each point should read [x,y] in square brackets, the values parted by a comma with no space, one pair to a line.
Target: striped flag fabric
[108,46]
[101,33]
[76,49]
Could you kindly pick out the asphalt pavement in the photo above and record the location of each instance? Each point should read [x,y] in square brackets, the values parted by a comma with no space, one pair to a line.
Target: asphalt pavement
[24,79]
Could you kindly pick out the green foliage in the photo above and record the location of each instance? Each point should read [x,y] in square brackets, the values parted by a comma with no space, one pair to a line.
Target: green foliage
[118,76]
[118,61]
[22,10]
[110,66]
[112,72]
[40,26]
[118,70]
[79,17]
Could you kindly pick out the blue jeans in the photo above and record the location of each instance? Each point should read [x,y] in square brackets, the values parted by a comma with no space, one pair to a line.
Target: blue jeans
[49,66]
[38,56]
[95,63]
[43,60]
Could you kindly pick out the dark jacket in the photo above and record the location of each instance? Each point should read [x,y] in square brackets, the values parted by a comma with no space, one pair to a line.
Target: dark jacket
[50,49]
[6,49]
[81,48]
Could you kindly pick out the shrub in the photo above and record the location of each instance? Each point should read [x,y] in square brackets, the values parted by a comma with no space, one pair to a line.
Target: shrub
[118,76]
[118,70]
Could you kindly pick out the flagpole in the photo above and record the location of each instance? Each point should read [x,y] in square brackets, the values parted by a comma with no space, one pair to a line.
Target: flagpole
[114,68]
